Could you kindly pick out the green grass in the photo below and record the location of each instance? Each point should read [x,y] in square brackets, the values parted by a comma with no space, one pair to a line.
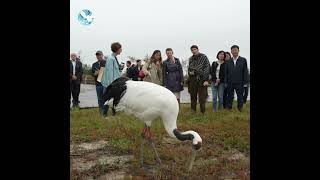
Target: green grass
[221,132]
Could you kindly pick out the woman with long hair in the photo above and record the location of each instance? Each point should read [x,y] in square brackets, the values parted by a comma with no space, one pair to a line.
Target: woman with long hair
[217,85]
[153,69]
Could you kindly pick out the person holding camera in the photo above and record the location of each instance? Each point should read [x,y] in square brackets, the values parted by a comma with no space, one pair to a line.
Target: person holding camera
[99,88]
[198,80]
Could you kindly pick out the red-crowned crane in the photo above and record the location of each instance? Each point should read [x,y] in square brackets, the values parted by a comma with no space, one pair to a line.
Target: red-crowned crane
[148,101]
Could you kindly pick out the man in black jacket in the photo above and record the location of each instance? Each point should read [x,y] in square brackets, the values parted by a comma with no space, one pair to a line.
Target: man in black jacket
[198,71]
[225,93]
[246,91]
[132,71]
[236,77]
[76,72]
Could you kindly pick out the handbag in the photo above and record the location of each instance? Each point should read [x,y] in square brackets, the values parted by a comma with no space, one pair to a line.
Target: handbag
[141,74]
[101,71]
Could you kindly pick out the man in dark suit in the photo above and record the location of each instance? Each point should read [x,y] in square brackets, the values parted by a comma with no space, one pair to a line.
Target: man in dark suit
[246,91]
[236,77]
[225,93]
[76,72]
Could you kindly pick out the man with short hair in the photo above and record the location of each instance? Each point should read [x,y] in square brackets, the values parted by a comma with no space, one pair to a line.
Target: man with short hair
[236,77]
[99,88]
[76,72]
[198,71]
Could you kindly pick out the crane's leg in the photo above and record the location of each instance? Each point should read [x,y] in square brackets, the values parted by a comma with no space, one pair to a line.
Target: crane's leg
[141,150]
[155,151]
[146,134]
[151,142]
[142,144]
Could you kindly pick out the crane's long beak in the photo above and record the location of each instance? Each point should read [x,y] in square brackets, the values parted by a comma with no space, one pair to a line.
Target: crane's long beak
[193,157]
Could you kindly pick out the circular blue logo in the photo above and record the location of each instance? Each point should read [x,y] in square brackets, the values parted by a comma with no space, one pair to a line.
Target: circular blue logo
[85,17]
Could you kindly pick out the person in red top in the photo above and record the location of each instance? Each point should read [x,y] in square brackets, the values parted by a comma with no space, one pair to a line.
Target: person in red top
[141,74]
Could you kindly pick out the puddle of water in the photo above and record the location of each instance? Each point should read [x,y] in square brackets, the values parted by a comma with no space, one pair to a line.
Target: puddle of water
[114,175]
[88,96]
[236,155]
[93,145]
[81,164]
[229,176]
[116,161]
[88,146]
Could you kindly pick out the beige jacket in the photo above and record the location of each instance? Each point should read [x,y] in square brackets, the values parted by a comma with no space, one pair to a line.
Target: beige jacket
[152,73]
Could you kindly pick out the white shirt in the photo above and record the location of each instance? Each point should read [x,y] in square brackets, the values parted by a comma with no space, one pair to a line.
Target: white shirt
[235,60]
[218,70]
[74,66]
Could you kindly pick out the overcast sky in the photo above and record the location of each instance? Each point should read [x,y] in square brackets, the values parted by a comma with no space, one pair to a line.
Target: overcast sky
[142,26]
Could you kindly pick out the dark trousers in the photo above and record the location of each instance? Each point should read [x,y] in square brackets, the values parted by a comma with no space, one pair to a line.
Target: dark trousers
[239,91]
[245,94]
[102,108]
[225,97]
[196,89]
[74,91]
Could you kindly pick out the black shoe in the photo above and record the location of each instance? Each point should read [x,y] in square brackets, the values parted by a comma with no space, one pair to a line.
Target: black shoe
[240,109]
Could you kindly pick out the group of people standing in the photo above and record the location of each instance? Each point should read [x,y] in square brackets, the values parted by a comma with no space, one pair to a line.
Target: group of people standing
[226,75]
[229,74]
[167,73]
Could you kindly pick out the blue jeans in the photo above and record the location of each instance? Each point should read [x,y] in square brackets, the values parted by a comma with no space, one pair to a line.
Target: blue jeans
[102,108]
[217,91]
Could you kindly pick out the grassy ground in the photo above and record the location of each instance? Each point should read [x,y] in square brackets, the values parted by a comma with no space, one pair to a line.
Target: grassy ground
[224,154]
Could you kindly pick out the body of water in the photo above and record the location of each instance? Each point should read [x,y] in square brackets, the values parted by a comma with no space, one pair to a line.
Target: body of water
[88,96]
